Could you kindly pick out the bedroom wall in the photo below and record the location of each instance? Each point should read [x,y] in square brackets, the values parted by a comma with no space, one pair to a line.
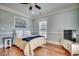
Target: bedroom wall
[7,23]
[36,25]
[60,22]
[78,24]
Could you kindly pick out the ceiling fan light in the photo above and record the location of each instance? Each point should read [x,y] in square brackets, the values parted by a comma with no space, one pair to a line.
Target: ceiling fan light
[33,12]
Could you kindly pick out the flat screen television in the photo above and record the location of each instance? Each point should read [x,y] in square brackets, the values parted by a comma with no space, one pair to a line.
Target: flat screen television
[70,35]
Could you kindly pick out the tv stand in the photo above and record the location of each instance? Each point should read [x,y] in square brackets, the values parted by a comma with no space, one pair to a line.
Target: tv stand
[72,47]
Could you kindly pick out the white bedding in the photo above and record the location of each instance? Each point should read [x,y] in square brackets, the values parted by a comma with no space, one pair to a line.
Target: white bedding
[34,44]
[28,47]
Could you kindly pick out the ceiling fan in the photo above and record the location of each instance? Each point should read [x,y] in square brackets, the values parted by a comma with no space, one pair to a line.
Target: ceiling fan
[32,5]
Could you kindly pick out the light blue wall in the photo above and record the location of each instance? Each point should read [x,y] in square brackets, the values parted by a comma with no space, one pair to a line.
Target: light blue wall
[36,25]
[59,22]
[7,22]
[62,21]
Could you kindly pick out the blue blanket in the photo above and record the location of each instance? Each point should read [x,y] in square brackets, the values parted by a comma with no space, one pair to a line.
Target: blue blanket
[30,38]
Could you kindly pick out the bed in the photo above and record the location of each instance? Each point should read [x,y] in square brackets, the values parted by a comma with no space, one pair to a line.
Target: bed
[29,46]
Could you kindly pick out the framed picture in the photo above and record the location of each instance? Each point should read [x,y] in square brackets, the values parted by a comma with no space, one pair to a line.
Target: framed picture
[20,22]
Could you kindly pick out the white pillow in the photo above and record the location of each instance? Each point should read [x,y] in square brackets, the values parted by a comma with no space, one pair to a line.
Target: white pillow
[19,33]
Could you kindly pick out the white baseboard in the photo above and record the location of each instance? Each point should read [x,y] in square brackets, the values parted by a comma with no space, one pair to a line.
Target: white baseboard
[53,42]
[1,46]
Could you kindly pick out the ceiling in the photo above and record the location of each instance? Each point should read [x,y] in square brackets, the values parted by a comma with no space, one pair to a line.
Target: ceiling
[46,8]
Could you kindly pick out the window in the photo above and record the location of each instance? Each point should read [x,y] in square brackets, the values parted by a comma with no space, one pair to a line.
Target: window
[43,28]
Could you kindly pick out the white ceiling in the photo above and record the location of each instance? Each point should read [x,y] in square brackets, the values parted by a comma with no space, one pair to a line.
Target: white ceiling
[46,8]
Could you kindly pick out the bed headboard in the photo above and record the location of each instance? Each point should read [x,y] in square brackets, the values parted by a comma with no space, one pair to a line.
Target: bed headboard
[20,33]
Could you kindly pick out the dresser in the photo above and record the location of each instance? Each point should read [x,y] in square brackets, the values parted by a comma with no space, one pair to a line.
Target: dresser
[72,47]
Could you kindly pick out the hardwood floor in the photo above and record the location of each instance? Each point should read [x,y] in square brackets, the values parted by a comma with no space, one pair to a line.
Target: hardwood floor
[46,50]
[13,51]
[51,50]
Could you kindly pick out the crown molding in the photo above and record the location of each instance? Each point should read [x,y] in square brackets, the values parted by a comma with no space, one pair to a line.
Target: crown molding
[65,9]
[68,8]
[14,11]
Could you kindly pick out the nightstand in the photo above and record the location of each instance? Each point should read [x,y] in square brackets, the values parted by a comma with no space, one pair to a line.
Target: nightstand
[7,42]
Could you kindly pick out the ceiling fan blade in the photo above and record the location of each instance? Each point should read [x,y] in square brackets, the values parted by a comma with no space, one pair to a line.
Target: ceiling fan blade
[30,8]
[37,6]
[24,3]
